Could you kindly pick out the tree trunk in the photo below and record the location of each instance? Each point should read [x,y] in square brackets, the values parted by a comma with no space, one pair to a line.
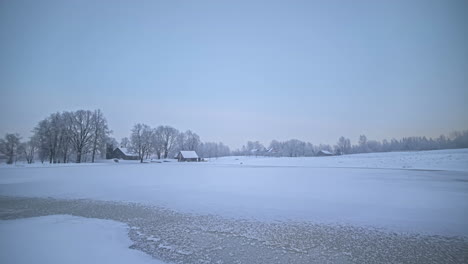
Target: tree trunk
[78,156]
[94,153]
[94,149]
[65,156]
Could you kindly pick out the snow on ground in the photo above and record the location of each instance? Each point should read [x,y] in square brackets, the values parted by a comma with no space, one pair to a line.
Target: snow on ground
[407,207]
[451,160]
[61,239]
[421,201]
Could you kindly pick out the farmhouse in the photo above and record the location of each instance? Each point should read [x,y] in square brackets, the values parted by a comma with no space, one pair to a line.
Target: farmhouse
[187,156]
[322,153]
[123,153]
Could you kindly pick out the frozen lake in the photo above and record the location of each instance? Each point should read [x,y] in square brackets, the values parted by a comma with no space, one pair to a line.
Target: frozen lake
[428,198]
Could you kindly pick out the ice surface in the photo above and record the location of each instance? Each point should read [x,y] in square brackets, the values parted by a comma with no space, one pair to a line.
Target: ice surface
[187,238]
[59,239]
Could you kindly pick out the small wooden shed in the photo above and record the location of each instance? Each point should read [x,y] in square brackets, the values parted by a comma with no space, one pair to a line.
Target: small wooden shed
[124,153]
[322,153]
[187,155]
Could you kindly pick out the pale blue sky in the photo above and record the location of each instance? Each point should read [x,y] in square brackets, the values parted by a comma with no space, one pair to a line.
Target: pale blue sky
[239,70]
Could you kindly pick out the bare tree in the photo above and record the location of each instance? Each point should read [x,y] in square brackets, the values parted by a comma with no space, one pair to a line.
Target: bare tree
[180,142]
[9,147]
[343,146]
[52,137]
[141,140]
[47,133]
[42,136]
[213,150]
[100,132]
[168,136]
[65,146]
[363,144]
[192,140]
[29,149]
[187,140]
[81,131]
[157,142]
[125,142]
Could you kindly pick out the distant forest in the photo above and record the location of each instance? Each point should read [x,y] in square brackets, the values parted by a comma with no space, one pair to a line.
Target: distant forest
[84,135]
[298,148]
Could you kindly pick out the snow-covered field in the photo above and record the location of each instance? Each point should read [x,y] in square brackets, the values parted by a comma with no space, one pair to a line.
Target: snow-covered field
[67,239]
[450,160]
[419,193]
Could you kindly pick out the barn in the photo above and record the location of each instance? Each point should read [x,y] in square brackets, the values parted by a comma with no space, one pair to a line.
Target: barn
[187,155]
[322,153]
[124,153]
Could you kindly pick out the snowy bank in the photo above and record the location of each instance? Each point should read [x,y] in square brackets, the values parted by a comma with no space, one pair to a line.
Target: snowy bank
[68,239]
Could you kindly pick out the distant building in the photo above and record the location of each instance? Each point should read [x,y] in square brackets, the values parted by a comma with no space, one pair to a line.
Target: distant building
[187,155]
[271,151]
[122,153]
[322,153]
[258,151]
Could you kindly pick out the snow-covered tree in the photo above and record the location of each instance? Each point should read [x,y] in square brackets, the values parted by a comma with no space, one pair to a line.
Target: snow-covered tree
[192,140]
[52,136]
[168,137]
[29,149]
[157,142]
[187,140]
[141,140]
[363,148]
[125,142]
[99,134]
[9,147]
[81,124]
[343,146]
[213,150]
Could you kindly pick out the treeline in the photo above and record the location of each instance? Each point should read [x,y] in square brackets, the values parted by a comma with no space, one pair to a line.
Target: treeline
[84,135]
[298,148]
[77,136]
